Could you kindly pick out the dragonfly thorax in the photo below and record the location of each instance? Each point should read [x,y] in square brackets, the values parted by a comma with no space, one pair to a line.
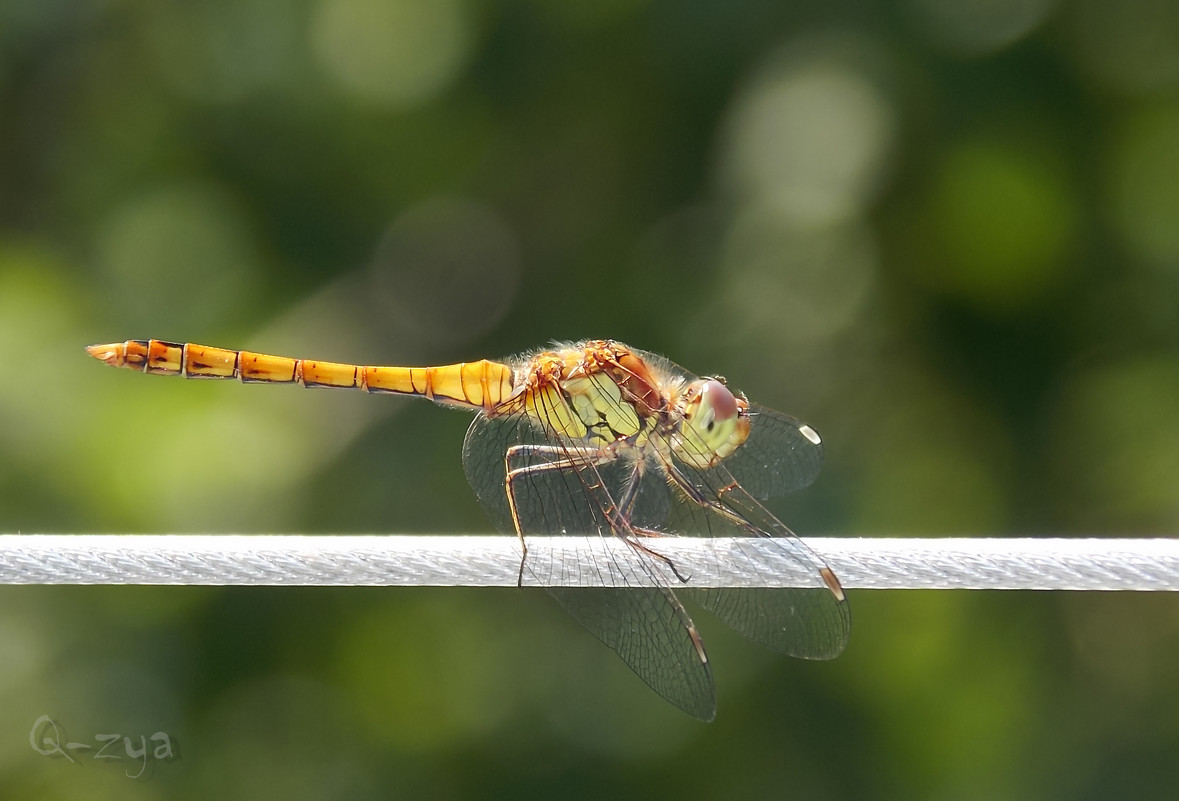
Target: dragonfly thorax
[599,393]
[603,394]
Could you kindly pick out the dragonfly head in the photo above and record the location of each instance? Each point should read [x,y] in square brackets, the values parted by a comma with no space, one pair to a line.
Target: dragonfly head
[715,423]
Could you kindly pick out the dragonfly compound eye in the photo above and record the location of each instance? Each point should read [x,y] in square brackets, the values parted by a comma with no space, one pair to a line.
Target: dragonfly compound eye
[712,415]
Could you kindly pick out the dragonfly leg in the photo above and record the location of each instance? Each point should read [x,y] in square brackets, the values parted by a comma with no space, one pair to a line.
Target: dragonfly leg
[650,532]
[622,521]
[696,496]
[630,494]
[561,458]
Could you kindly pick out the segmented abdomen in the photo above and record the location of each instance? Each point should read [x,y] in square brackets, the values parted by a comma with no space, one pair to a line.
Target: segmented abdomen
[482,384]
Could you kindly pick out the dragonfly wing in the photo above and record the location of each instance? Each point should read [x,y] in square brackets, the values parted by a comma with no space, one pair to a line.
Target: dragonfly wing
[803,623]
[562,488]
[548,501]
[782,454]
[649,629]
[806,622]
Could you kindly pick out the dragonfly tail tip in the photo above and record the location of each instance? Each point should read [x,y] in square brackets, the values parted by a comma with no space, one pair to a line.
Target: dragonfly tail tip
[108,354]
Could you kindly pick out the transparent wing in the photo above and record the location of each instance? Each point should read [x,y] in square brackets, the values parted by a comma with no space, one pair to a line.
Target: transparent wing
[549,501]
[562,487]
[650,630]
[805,622]
[808,622]
[779,457]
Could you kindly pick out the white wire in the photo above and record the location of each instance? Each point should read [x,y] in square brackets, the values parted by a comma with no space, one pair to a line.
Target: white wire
[493,561]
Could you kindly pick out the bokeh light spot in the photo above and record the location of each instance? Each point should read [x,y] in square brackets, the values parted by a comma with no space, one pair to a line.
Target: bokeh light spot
[424,692]
[396,53]
[1117,445]
[288,722]
[932,460]
[811,133]
[787,283]
[1131,46]
[1144,184]
[223,51]
[1002,223]
[446,271]
[979,26]
[179,257]
[40,330]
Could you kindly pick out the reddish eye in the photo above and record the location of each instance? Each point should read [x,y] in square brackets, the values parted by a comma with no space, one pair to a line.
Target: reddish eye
[715,395]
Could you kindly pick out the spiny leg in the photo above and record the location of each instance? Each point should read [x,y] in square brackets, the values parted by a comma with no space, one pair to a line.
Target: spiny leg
[664,558]
[696,496]
[630,495]
[622,521]
[564,458]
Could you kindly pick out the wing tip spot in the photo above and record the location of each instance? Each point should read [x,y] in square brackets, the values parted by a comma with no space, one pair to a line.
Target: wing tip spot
[832,583]
[810,434]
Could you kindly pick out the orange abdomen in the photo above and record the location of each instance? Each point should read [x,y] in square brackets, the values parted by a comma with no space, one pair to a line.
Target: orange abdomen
[482,384]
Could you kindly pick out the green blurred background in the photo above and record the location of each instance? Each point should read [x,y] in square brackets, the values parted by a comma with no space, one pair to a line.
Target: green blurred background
[944,233]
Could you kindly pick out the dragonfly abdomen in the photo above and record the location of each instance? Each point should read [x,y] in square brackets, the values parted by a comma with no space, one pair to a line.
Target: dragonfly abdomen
[482,384]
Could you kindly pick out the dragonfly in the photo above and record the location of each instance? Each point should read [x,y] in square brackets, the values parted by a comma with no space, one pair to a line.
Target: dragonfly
[601,440]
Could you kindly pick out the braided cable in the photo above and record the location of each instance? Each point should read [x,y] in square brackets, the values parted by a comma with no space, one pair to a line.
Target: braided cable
[494,561]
